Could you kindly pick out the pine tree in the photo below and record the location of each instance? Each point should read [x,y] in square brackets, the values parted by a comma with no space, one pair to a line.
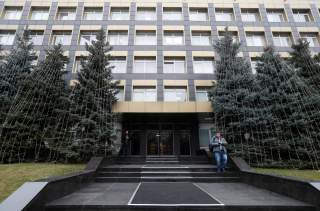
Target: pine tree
[31,125]
[14,69]
[280,98]
[93,98]
[229,96]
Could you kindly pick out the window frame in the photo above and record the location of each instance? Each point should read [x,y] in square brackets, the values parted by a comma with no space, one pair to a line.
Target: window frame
[171,35]
[111,62]
[170,12]
[11,9]
[147,38]
[153,18]
[145,90]
[221,12]
[279,39]
[192,11]
[145,59]
[64,34]
[120,35]
[44,13]
[175,60]
[166,88]
[10,36]
[72,13]
[121,13]
[207,59]
[94,9]
[84,32]
[201,35]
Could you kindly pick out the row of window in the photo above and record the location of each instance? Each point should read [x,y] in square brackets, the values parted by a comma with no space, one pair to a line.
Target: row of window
[168,13]
[170,94]
[148,64]
[149,37]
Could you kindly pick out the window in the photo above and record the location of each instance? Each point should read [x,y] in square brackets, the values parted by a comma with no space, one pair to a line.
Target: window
[173,38]
[224,15]
[203,65]
[12,13]
[92,13]
[255,39]
[66,13]
[198,14]
[119,13]
[250,15]
[172,13]
[174,65]
[6,37]
[282,39]
[39,13]
[301,15]
[36,37]
[145,37]
[120,94]
[202,93]
[61,37]
[86,37]
[175,94]
[146,13]
[77,66]
[145,64]
[234,35]
[118,37]
[312,38]
[254,62]
[201,38]
[147,94]
[276,15]
[119,63]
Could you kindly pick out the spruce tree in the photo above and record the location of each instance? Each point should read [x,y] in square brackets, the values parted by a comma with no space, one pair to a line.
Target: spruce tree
[94,95]
[285,131]
[229,96]
[14,69]
[306,65]
[31,125]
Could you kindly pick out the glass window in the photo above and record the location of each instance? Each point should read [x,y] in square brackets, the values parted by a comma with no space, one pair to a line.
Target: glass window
[118,37]
[36,37]
[66,13]
[198,14]
[61,37]
[12,13]
[312,38]
[234,35]
[254,62]
[7,37]
[276,16]
[255,39]
[174,65]
[119,13]
[173,38]
[202,94]
[302,15]
[224,15]
[119,63]
[250,15]
[120,94]
[146,94]
[146,13]
[145,37]
[92,13]
[282,39]
[77,66]
[172,13]
[39,13]
[203,65]
[145,64]
[175,94]
[86,37]
[201,38]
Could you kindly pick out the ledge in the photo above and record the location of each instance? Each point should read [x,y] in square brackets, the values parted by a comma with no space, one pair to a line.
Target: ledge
[162,107]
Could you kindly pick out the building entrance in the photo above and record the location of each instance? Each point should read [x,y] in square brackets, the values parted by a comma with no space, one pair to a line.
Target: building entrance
[160,143]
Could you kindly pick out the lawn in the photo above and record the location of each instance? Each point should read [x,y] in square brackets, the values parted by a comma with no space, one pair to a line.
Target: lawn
[14,175]
[300,174]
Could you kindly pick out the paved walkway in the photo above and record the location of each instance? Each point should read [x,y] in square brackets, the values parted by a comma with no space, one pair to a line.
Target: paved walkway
[229,194]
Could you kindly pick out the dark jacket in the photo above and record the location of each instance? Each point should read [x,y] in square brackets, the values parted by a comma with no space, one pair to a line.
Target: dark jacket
[218,146]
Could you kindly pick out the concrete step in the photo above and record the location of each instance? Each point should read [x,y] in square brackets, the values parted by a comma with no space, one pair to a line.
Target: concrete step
[168,179]
[164,173]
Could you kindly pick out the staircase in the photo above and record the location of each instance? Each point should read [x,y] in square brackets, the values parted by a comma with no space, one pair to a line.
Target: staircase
[164,169]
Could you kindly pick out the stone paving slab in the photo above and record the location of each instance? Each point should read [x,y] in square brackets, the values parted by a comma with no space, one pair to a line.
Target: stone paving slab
[244,194]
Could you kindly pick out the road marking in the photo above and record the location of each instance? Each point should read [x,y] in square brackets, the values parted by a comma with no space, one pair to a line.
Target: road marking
[207,193]
[134,193]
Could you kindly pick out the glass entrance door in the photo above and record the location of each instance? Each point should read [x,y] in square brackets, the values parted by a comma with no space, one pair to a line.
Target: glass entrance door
[159,143]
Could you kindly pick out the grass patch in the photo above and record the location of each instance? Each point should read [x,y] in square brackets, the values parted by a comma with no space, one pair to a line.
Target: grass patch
[13,176]
[300,174]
